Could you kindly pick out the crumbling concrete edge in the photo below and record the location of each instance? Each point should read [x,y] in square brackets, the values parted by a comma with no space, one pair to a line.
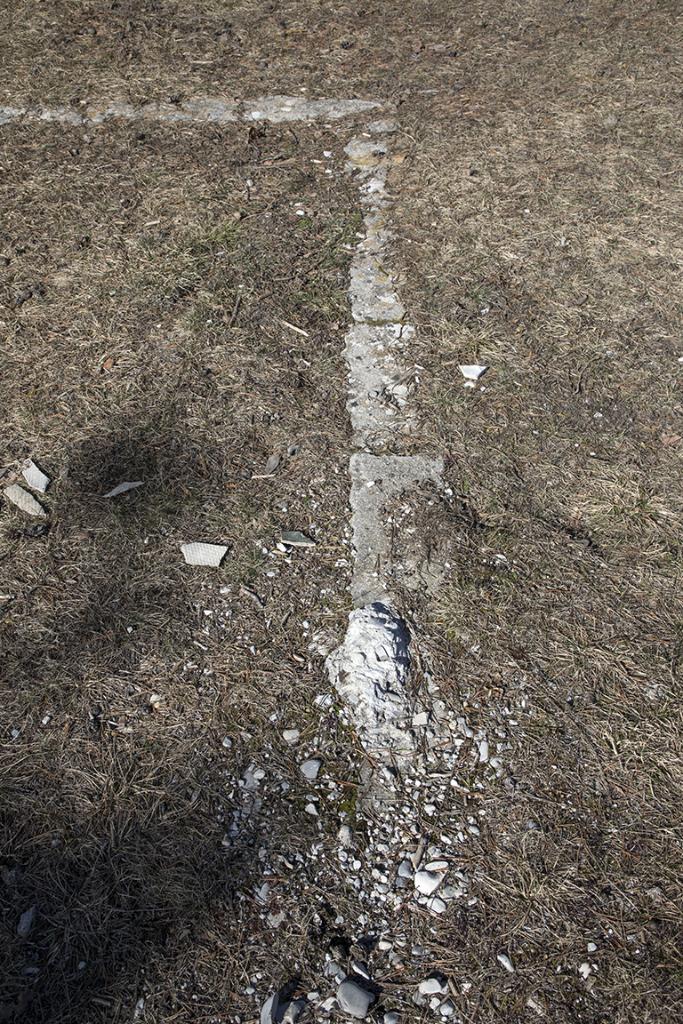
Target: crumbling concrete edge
[202,109]
[371,669]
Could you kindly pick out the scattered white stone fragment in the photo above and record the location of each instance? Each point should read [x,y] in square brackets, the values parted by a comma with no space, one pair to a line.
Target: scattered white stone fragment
[436,905]
[333,970]
[312,810]
[472,373]
[123,488]
[534,1005]
[434,985]
[34,477]
[296,539]
[269,1009]
[309,769]
[26,922]
[591,947]
[293,1011]
[291,736]
[391,1018]
[505,962]
[204,554]
[23,500]
[585,970]
[483,750]
[447,1008]
[345,836]
[354,999]
[405,869]
[427,882]
[272,464]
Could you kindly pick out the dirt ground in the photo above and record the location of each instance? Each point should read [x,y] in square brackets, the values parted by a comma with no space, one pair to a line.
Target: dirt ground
[150,275]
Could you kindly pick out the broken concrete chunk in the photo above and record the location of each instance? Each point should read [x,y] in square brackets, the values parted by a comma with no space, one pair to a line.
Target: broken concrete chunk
[272,463]
[405,869]
[309,769]
[370,672]
[472,371]
[203,554]
[34,477]
[354,999]
[505,962]
[427,882]
[269,1009]
[345,836]
[23,500]
[296,539]
[293,1011]
[434,985]
[123,488]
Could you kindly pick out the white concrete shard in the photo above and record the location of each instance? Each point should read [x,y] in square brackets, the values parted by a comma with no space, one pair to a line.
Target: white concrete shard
[34,477]
[427,882]
[269,1009]
[435,984]
[365,152]
[505,962]
[370,672]
[310,769]
[123,488]
[23,500]
[354,999]
[472,371]
[203,554]
[296,539]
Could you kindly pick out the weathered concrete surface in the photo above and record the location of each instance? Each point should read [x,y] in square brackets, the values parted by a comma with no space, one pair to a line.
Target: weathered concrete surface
[379,384]
[375,480]
[275,109]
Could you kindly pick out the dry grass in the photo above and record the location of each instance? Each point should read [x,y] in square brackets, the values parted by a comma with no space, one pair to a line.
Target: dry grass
[568,649]
[541,237]
[152,347]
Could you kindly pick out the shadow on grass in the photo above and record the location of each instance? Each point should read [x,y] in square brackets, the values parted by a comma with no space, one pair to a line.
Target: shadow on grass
[111,816]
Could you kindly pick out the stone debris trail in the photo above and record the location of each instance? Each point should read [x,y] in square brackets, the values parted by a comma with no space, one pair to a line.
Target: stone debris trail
[371,669]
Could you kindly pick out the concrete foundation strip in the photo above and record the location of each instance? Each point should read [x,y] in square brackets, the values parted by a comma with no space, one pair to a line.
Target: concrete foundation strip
[370,670]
